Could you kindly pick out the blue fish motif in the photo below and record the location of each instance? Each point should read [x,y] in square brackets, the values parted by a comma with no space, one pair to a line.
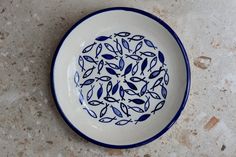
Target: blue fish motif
[136,109]
[149,44]
[138,47]
[166,77]
[81,63]
[118,47]
[134,57]
[112,72]
[127,70]
[121,63]
[161,57]
[135,69]
[87,82]
[115,88]
[116,112]
[155,73]
[90,93]
[147,104]
[103,78]
[107,119]
[111,99]
[143,66]
[91,112]
[76,79]
[143,89]
[131,92]
[124,109]
[142,118]
[163,91]
[131,85]
[88,48]
[109,88]
[109,47]
[90,59]
[125,44]
[109,57]
[88,72]
[137,101]
[103,38]
[81,97]
[112,65]
[136,38]
[122,34]
[147,53]
[95,102]
[123,122]
[98,50]
[137,79]
[153,95]
[100,66]
[152,64]
[104,110]
[158,106]
[100,91]
[122,93]
[157,83]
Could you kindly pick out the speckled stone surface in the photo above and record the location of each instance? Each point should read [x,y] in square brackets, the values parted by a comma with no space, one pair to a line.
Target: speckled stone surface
[29,122]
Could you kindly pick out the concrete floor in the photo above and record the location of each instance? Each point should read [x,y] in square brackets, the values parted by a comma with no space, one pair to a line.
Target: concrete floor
[29,122]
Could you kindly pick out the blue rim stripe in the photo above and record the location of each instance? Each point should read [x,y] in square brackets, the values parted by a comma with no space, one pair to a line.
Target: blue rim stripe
[186,94]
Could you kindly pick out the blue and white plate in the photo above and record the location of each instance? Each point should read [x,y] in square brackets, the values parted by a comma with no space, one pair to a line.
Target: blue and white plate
[120,77]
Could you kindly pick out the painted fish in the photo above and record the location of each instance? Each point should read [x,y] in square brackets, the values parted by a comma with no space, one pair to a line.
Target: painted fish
[136,109]
[163,91]
[143,89]
[135,69]
[122,93]
[90,92]
[137,79]
[103,78]
[81,63]
[124,109]
[109,57]
[112,72]
[118,47]
[103,38]
[122,34]
[136,38]
[76,78]
[90,59]
[157,83]
[111,99]
[143,66]
[109,47]
[123,122]
[152,63]
[131,85]
[149,44]
[100,91]
[147,104]
[109,88]
[81,97]
[153,95]
[138,47]
[137,101]
[142,118]
[125,44]
[121,63]
[116,112]
[166,77]
[100,66]
[147,53]
[88,48]
[161,57]
[87,82]
[107,119]
[127,70]
[131,92]
[88,72]
[115,88]
[112,65]
[98,50]
[91,112]
[134,57]
[155,73]
[95,102]
[158,106]
[104,110]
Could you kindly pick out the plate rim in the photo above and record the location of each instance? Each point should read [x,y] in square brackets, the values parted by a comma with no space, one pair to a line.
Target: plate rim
[187,89]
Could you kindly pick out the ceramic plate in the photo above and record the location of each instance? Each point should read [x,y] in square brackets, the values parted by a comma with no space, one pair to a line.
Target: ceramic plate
[120,77]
